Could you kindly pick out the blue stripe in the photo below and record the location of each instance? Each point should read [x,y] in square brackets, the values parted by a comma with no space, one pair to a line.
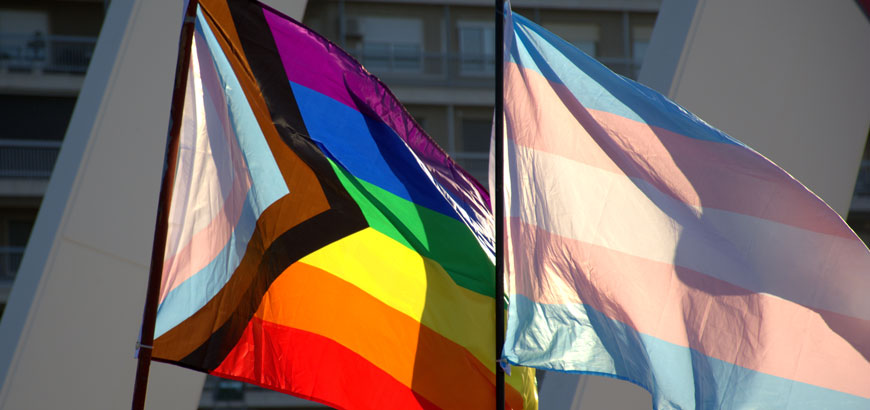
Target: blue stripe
[583,340]
[598,88]
[267,186]
[192,294]
[368,148]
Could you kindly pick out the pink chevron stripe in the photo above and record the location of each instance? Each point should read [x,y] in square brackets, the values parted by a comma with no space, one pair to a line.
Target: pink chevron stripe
[185,260]
[691,309]
[694,171]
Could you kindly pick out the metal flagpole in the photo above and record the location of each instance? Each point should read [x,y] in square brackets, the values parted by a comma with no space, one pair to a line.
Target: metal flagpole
[499,202]
[161,225]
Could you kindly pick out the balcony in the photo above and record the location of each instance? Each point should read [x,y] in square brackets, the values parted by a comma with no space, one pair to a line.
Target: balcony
[398,65]
[27,158]
[35,53]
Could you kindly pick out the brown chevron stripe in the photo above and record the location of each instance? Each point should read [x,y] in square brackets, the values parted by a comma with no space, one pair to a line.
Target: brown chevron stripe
[317,211]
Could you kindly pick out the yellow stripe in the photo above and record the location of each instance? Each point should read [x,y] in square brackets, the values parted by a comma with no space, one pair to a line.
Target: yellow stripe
[414,285]
[420,288]
[523,380]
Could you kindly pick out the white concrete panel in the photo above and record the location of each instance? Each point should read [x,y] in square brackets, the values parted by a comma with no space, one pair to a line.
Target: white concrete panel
[68,333]
[787,77]
[84,359]
[561,391]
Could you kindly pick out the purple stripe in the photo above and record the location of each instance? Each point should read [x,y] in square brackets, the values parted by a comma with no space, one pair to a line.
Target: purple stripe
[315,62]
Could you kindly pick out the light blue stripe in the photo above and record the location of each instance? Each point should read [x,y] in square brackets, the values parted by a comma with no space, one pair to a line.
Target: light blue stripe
[267,186]
[268,183]
[576,338]
[598,88]
[192,294]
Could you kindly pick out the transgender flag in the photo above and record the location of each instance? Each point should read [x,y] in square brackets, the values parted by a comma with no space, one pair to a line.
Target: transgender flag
[645,245]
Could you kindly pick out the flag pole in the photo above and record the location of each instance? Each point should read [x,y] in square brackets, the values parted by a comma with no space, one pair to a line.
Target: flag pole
[146,338]
[499,203]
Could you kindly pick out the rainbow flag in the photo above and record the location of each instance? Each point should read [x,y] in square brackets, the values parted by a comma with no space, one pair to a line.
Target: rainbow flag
[645,245]
[320,243]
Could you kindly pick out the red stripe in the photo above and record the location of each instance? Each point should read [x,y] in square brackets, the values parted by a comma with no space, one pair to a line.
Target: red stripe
[315,368]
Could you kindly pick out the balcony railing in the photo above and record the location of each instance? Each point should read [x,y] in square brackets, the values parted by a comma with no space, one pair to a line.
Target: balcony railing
[40,53]
[27,159]
[10,260]
[406,66]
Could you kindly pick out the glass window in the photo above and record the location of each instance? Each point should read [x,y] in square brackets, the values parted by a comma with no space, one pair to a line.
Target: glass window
[582,36]
[640,37]
[476,48]
[19,231]
[12,245]
[473,146]
[475,135]
[18,111]
[391,43]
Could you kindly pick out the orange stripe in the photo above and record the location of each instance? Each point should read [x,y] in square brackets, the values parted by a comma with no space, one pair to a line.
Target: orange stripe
[312,300]
[315,368]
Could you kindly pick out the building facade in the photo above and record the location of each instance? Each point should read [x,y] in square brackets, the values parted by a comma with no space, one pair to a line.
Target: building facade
[45,49]
[438,58]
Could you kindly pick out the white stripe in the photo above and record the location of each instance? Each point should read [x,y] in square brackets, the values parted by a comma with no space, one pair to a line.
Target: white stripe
[589,204]
[204,171]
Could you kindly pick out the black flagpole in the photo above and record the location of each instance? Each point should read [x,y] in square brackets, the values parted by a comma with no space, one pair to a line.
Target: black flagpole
[157,251]
[499,202]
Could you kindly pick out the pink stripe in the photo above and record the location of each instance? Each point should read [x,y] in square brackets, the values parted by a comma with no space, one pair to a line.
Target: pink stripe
[206,244]
[757,331]
[694,171]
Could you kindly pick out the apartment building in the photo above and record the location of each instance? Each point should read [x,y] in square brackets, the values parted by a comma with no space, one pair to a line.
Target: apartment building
[436,56]
[45,48]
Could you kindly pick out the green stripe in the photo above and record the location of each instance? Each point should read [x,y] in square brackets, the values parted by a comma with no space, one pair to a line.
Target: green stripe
[431,234]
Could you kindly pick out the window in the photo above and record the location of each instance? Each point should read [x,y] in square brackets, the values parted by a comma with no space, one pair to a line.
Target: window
[391,43]
[14,239]
[476,48]
[475,135]
[582,36]
[640,37]
[473,146]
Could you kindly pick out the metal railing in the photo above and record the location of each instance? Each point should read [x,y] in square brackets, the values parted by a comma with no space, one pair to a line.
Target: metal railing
[10,260]
[41,53]
[27,158]
[414,67]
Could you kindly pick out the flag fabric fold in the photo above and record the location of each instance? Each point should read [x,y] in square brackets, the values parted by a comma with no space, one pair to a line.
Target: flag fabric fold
[645,245]
[319,242]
